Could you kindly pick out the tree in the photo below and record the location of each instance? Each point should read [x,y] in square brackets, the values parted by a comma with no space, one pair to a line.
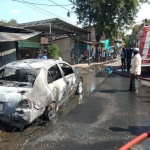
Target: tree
[11,22]
[107,16]
[53,51]
[131,38]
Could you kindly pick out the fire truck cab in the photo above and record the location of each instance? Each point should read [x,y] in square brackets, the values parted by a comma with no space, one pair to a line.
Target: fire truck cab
[143,43]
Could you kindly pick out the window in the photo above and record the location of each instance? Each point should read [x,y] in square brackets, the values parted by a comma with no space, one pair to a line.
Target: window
[53,74]
[19,75]
[66,69]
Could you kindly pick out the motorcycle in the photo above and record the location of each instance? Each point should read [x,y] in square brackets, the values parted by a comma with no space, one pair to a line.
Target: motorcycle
[110,57]
[82,59]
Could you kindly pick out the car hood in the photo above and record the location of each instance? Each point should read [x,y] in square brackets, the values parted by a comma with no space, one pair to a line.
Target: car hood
[10,96]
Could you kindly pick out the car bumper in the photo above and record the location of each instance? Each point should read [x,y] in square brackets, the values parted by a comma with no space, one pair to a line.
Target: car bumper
[18,119]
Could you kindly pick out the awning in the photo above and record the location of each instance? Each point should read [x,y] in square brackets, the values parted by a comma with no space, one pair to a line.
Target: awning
[102,41]
[87,42]
[90,42]
[5,36]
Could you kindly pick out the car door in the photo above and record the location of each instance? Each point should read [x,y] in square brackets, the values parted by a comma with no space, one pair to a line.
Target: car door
[70,77]
[57,84]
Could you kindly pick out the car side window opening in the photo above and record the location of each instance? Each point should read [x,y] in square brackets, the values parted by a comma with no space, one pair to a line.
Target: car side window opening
[66,69]
[53,74]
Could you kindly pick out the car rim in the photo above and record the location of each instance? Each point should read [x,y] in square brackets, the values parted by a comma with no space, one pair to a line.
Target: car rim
[80,87]
[51,111]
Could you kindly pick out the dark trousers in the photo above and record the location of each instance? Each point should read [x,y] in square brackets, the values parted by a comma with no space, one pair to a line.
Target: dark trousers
[128,63]
[134,83]
[123,64]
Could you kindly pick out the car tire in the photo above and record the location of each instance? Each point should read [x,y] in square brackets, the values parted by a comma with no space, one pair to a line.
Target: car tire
[80,87]
[50,112]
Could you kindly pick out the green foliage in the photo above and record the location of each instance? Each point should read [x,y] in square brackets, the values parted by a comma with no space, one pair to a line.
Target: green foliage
[107,16]
[131,38]
[53,51]
[11,22]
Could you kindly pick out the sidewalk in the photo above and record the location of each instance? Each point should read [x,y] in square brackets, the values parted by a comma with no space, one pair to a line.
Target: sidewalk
[116,62]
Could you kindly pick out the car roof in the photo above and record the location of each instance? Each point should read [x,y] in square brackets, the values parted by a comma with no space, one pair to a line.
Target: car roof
[32,63]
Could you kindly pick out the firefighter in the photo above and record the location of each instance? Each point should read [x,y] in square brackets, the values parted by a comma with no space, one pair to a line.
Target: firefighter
[135,71]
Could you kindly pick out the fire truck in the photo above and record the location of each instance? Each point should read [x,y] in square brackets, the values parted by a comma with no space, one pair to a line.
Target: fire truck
[143,43]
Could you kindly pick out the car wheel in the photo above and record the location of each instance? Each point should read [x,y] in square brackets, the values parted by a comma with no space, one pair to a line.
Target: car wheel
[80,87]
[50,112]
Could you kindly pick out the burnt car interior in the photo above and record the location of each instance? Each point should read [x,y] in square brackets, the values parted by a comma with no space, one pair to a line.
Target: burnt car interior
[53,74]
[66,69]
[19,75]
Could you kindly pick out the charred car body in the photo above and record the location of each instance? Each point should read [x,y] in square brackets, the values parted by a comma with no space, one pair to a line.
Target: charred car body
[35,87]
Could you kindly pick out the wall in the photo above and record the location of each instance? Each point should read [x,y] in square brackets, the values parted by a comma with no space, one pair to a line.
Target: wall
[7,52]
[93,38]
[65,45]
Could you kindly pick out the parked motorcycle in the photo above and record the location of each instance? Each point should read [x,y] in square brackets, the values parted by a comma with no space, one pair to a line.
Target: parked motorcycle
[82,59]
[114,55]
[110,57]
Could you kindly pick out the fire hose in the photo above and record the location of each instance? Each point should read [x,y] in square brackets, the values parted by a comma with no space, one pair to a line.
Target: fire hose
[143,135]
[115,71]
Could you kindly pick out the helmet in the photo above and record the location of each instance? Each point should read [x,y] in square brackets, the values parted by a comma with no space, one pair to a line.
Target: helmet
[136,49]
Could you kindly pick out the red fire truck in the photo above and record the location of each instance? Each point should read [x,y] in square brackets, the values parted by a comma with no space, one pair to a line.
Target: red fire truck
[143,43]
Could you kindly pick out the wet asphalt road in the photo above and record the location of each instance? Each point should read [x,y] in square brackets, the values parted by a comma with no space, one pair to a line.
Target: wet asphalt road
[104,120]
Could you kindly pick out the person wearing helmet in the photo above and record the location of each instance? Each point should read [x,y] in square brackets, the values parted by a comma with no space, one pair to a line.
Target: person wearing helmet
[135,71]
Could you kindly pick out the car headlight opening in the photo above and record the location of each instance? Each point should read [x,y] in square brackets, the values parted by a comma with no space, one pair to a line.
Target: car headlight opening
[24,104]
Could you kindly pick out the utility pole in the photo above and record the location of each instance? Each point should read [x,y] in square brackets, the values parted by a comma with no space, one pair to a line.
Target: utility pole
[89,29]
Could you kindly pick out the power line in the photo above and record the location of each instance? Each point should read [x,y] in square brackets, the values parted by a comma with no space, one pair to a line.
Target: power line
[61,6]
[40,4]
[47,12]
[37,9]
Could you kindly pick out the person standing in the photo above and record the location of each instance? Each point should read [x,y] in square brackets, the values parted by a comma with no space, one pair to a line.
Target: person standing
[128,57]
[99,53]
[84,54]
[93,54]
[45,54]
[75,56]
[72,57]
[135,71]
[103,55]
[122,55]
[27,56]
[38,54]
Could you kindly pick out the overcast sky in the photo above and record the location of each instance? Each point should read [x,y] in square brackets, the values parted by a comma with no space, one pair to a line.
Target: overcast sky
[24,13]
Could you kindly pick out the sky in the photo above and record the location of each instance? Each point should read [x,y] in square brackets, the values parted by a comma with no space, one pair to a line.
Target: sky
[23,12]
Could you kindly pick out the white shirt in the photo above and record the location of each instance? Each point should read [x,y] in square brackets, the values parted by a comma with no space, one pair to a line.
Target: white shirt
[136,64]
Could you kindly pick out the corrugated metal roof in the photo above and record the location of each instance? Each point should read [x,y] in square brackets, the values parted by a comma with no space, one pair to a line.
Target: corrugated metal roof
[12,29]
[58,26]
[5,36]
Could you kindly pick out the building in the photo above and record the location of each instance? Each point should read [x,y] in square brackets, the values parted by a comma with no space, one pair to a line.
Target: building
[9,37]
[57,31]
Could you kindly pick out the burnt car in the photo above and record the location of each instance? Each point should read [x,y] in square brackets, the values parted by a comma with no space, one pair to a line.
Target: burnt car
[33,88]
